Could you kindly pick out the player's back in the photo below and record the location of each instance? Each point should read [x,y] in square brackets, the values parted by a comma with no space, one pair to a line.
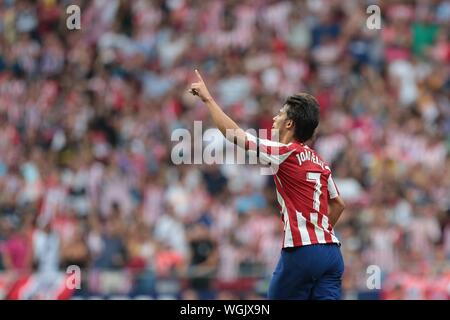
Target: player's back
[304,184]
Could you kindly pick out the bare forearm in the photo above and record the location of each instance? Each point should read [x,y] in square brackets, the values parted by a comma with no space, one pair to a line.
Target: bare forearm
[223,122]
[335,214]
[220,118]
[336,207]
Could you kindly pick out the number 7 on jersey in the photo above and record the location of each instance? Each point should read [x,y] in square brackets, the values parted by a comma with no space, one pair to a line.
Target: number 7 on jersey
[315,177]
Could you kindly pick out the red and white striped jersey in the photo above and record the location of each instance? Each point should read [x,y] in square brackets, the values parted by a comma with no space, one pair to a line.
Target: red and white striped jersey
[303,184]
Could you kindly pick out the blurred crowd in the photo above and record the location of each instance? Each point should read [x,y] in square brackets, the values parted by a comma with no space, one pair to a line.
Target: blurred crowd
[86,117]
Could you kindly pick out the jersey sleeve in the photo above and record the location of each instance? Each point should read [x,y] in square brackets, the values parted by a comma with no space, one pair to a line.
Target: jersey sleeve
[333,191]
[269,152]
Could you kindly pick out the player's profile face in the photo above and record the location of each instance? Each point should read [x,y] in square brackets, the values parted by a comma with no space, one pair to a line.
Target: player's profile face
[278,123]
[279,118]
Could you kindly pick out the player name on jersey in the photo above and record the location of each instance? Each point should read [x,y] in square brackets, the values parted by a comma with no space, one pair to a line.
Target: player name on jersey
[307,155]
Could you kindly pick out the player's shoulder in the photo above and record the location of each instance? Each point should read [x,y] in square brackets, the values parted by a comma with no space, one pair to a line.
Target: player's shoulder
[275,146]
[302,147]
[309,156]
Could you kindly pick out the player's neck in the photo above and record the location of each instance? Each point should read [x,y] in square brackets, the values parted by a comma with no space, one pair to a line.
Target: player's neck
[287,138]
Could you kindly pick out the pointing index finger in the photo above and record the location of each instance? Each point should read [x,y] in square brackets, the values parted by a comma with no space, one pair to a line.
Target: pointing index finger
[198,75]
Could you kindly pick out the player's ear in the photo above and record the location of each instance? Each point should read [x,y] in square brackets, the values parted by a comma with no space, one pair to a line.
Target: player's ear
[289,124]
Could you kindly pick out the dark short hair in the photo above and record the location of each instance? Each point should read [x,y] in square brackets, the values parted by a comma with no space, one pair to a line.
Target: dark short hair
[303,109]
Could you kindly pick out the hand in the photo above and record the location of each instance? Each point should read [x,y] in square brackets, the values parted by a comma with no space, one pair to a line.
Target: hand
[199,88]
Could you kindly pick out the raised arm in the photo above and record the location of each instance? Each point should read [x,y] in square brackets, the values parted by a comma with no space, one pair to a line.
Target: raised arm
[222,121]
